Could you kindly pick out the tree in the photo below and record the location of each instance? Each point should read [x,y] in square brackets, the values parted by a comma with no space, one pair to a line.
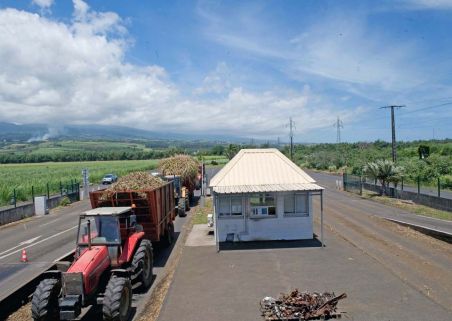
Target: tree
[384,171]
[231,151]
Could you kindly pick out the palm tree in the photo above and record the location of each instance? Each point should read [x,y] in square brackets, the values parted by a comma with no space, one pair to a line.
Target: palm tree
[231,151]
[384,171]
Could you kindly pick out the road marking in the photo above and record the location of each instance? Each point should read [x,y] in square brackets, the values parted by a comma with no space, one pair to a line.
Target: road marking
[43,240]
[21,244]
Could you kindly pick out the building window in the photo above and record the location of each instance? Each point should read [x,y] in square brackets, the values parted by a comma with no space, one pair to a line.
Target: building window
[296,204]
[230,205]
[263,205]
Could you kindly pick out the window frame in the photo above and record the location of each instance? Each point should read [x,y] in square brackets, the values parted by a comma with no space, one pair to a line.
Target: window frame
[230,215]
[259,216]
[295,213]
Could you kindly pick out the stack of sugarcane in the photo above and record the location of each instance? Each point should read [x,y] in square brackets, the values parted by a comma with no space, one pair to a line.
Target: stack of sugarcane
[185,166]
[137,181]
[297,305]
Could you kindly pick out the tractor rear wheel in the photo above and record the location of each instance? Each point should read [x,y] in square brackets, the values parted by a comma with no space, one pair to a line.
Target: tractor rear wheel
[117,304]
[142,263]
[181,207]
[44,305]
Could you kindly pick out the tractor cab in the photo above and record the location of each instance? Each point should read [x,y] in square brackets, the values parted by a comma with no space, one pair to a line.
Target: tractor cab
[106,226]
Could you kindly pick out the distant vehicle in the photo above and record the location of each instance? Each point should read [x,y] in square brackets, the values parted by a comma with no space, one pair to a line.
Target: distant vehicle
[109,179]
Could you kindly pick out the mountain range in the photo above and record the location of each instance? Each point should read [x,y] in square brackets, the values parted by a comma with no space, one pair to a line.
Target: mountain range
[12,132]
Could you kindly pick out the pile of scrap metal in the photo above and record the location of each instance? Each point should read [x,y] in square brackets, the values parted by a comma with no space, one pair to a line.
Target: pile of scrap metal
[296,306]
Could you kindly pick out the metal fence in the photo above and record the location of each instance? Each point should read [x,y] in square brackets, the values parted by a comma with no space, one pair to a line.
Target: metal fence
[70,188]
[357,184]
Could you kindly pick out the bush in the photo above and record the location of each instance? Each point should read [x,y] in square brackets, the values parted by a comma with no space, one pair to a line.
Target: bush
[65,201]
[446,181]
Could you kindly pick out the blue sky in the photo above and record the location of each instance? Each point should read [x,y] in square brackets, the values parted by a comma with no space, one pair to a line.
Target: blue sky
[238,68]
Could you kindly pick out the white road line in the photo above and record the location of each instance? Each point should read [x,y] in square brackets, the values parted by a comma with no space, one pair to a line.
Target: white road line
[21,244]
[43,240]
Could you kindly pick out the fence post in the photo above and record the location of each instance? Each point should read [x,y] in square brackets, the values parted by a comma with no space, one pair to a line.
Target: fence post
[439,187]
[48,191]
[61,189]
[15,198]
[33,193]
[344,180]
[418,185]
[361,185]
[402,183]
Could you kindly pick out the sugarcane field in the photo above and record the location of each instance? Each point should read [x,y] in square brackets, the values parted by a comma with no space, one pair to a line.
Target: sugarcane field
[212,160]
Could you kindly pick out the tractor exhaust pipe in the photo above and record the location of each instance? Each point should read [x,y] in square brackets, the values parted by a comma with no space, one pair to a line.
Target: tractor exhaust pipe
[89,234]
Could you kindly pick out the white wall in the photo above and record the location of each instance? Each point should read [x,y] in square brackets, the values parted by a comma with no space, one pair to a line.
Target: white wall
[280,227]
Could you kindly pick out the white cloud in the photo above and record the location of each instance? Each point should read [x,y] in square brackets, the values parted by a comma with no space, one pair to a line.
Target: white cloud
[43,4]
[338,47]
[52,71]
[75,73]
[428,4]
[217,81]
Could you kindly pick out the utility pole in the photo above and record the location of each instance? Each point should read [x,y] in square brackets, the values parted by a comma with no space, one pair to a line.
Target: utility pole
[338,124]
[291,126]
[394,152]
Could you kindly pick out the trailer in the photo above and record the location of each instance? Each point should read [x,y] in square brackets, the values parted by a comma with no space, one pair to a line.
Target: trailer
[155,209]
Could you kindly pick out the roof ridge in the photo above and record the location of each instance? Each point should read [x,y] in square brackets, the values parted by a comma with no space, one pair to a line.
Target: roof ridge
[294,166]
[229,166]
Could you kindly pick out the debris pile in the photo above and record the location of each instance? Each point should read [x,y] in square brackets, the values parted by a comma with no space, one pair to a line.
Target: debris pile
[135,181]
[183,165]
[300,306]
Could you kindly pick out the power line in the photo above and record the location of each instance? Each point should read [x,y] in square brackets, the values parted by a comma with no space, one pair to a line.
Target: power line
[426,108]
[394,152]
[338,124]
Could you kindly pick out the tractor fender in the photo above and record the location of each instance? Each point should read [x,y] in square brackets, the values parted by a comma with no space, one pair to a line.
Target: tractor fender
[121,273]
[130,246]
[51,274]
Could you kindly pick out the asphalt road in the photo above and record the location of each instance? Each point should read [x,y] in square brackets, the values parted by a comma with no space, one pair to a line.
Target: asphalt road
[45,239]
[373,208]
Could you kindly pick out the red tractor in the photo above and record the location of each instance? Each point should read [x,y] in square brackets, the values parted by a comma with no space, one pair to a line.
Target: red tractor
[111,254]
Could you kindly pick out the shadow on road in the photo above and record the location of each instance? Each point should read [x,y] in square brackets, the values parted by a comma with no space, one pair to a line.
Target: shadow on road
[260,245]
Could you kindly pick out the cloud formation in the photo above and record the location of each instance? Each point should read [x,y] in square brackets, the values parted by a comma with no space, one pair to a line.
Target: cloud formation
[76,73]
[44,4]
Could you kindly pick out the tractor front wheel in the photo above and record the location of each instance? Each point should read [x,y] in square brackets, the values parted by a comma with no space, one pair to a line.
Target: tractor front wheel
[117,304]
[142,263]
[44,305]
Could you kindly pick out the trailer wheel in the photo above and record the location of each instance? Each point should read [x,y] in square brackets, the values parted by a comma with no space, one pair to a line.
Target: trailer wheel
[117,299]
[44,305]
[143,262]
[169,234]
[181,207]
[187,204]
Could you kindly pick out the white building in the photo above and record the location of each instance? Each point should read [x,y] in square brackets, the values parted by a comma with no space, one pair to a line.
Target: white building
[262,195]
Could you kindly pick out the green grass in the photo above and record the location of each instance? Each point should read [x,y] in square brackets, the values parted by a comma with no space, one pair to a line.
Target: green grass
[414,208]
[200,215]
[23,176]
[215,160]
